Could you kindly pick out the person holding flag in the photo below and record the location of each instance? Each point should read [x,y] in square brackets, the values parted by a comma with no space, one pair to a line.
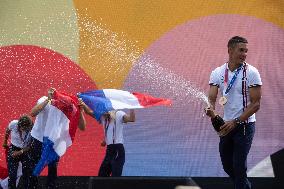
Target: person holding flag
[105,106]
[57,117]
[113,123]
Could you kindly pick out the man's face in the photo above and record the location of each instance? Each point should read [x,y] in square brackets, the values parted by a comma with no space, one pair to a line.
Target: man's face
[238,53]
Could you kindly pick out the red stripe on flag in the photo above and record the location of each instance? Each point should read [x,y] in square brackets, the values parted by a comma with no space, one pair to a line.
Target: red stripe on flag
[68,104]
[147,100]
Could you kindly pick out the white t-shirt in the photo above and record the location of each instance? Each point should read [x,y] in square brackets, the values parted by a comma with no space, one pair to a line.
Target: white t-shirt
[234,106]
[114,131]
[40,121]
[16,138]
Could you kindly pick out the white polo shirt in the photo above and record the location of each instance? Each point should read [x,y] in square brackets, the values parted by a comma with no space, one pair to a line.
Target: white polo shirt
[40,121]
[234,106]
[16,139]
[114,131]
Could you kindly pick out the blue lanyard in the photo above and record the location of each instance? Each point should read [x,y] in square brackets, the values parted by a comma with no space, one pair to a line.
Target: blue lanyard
[26,139]
[232,80]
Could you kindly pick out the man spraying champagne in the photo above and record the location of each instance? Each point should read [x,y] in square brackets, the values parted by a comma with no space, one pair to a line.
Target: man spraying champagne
[240,86]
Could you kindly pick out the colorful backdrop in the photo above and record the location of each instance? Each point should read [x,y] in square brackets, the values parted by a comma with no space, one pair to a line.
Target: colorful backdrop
[164,48]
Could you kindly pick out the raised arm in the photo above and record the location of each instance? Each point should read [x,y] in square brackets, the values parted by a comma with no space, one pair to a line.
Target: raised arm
[129,117]
[39,107]
[82,120]
[86,108]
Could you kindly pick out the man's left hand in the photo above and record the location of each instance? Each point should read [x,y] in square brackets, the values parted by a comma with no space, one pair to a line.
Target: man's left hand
[227,127]
[17,153]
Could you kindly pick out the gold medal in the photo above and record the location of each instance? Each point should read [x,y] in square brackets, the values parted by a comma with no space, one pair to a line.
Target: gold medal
[223,100]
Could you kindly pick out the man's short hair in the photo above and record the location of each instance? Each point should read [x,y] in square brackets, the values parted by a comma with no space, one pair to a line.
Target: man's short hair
[235,40]
[25,121]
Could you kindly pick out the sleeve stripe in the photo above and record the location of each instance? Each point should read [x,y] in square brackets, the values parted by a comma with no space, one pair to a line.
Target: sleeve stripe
[214,84]
[254,85]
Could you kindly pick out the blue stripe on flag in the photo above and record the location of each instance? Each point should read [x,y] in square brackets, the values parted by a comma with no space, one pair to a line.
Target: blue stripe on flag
[97,101]
[48,155]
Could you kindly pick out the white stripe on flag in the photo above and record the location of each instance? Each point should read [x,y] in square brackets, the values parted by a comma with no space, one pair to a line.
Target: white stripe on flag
[57,130]
[122,99]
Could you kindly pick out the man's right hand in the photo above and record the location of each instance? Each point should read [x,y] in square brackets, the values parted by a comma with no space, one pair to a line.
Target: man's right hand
[209,111]
[50,92]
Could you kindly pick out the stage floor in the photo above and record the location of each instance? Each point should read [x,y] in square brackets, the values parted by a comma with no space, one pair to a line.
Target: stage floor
[82,182]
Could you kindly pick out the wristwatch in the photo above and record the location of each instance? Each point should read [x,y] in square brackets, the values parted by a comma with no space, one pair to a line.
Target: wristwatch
[238,121]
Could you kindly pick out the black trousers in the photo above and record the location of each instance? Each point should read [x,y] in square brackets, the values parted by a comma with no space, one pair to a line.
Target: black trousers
[13,164]
[113,162]
[35,155]
[234,149]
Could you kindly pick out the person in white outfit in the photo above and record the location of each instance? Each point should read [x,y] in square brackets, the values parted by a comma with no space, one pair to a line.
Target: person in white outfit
[19,130]
[41,111]
[113,123]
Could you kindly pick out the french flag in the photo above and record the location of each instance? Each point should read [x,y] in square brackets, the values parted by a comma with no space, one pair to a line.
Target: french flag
[102,101]
[60,129]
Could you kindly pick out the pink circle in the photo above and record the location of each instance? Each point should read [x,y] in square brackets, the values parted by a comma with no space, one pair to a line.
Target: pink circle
[190,52]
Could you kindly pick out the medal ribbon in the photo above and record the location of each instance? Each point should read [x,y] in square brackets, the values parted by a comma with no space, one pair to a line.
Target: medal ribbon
[244,91]
[227,89]
[106,125]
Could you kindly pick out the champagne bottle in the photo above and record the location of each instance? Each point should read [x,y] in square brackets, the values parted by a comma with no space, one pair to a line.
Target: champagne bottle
[217,122]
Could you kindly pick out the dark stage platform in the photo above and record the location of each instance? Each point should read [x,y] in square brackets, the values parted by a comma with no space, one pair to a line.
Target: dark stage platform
[70,182]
